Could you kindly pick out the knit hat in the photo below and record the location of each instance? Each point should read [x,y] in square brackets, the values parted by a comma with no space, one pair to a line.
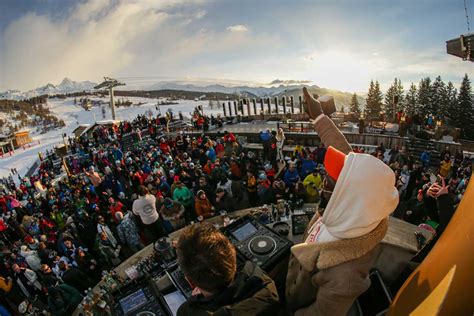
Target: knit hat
[334,161]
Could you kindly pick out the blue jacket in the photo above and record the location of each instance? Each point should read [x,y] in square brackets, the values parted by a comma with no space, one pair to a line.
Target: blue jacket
[290,178]
[265,136]
[211,154]
[307,167]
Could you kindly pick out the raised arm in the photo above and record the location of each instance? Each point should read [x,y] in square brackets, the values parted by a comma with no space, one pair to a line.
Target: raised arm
[324,126]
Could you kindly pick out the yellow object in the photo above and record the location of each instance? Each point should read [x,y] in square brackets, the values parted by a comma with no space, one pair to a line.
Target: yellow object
[453,248]
[432,304]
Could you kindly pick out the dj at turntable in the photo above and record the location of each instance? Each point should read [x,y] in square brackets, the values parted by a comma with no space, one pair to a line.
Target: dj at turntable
[209,262]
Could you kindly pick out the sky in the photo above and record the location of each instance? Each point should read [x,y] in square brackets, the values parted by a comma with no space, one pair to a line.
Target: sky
[339,44]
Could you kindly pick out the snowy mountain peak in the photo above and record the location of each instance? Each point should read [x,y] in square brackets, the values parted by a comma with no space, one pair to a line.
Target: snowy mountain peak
[66,86]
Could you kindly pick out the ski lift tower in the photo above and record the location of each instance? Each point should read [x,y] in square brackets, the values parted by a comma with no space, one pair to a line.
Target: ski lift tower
[463,46]
[110,83]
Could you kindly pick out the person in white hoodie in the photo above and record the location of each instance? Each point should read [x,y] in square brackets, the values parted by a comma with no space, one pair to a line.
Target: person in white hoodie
[329,269]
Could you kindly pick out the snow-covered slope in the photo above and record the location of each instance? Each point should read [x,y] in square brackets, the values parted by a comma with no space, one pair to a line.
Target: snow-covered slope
[74,115]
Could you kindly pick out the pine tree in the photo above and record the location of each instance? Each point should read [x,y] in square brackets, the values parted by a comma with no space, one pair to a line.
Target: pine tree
[374,101]
[438,101]
[424,97]
[411,100]
[388,105]
[450,105]
[343,110]
[354,105]
[465,109]
[401,96]
[370,98]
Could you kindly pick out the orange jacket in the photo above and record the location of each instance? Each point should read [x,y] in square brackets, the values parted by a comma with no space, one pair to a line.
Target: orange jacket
[203,207]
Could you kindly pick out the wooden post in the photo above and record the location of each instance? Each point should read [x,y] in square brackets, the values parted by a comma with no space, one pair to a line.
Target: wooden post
[284,104]
[269,106]
[241,107]
[276,104]
[300,99]
[292,104]
[254,102]
[235,108]
[248,106]
[230,108]
[261,105]
[223,108]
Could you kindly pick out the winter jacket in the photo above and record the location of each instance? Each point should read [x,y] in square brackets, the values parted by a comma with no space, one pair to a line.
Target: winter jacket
[174,214]
[128,232]
[68,300]
[326,278]
[183,195]
[291,177]
[225,204]
[5,284]
[312,184]
[77,279]
[203,207]
[251,293]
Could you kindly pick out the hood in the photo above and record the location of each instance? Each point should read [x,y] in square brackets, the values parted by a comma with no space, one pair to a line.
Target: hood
[364,195]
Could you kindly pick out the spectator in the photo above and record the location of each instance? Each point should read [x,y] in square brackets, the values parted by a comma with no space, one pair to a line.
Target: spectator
[174,213]
[145,207]
[280,138]
[63,300]
[75,277]
[27,281]
[313,184]
[203,206]
[223,201]
[128,232]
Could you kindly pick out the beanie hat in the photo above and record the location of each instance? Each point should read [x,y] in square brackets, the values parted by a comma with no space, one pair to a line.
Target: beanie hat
[334,161]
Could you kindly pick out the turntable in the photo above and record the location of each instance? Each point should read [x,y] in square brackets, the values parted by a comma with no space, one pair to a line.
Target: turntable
[257,243]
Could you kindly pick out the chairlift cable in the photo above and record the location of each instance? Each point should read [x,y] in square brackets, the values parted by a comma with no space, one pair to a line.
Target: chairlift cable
[467,18]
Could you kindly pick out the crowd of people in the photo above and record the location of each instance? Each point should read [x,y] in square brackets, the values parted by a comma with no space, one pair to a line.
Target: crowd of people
[58,234]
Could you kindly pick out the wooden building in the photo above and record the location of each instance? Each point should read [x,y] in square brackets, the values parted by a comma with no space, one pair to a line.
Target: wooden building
[21,138]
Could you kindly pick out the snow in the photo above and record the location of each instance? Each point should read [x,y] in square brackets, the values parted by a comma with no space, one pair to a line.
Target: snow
[74,115]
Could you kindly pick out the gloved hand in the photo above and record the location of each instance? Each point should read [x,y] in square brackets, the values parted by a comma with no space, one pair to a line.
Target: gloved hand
[311,105]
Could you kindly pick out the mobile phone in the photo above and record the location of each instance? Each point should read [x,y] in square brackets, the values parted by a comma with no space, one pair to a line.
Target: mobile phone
[439,179]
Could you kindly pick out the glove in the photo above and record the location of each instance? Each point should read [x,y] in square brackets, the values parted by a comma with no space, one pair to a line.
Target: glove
[311,105]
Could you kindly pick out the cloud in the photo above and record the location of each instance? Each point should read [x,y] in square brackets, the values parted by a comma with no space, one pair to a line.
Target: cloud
[181,38]
[237,28]
[97,38]
[289,82]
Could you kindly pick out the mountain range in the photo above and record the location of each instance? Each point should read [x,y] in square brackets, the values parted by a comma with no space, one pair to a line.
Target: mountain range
[66,86]
[276,88]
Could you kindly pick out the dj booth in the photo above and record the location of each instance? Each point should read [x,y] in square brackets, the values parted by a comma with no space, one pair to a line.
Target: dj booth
[151,282]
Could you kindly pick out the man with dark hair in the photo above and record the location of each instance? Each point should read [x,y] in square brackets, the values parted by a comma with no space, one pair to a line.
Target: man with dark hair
[208,260]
